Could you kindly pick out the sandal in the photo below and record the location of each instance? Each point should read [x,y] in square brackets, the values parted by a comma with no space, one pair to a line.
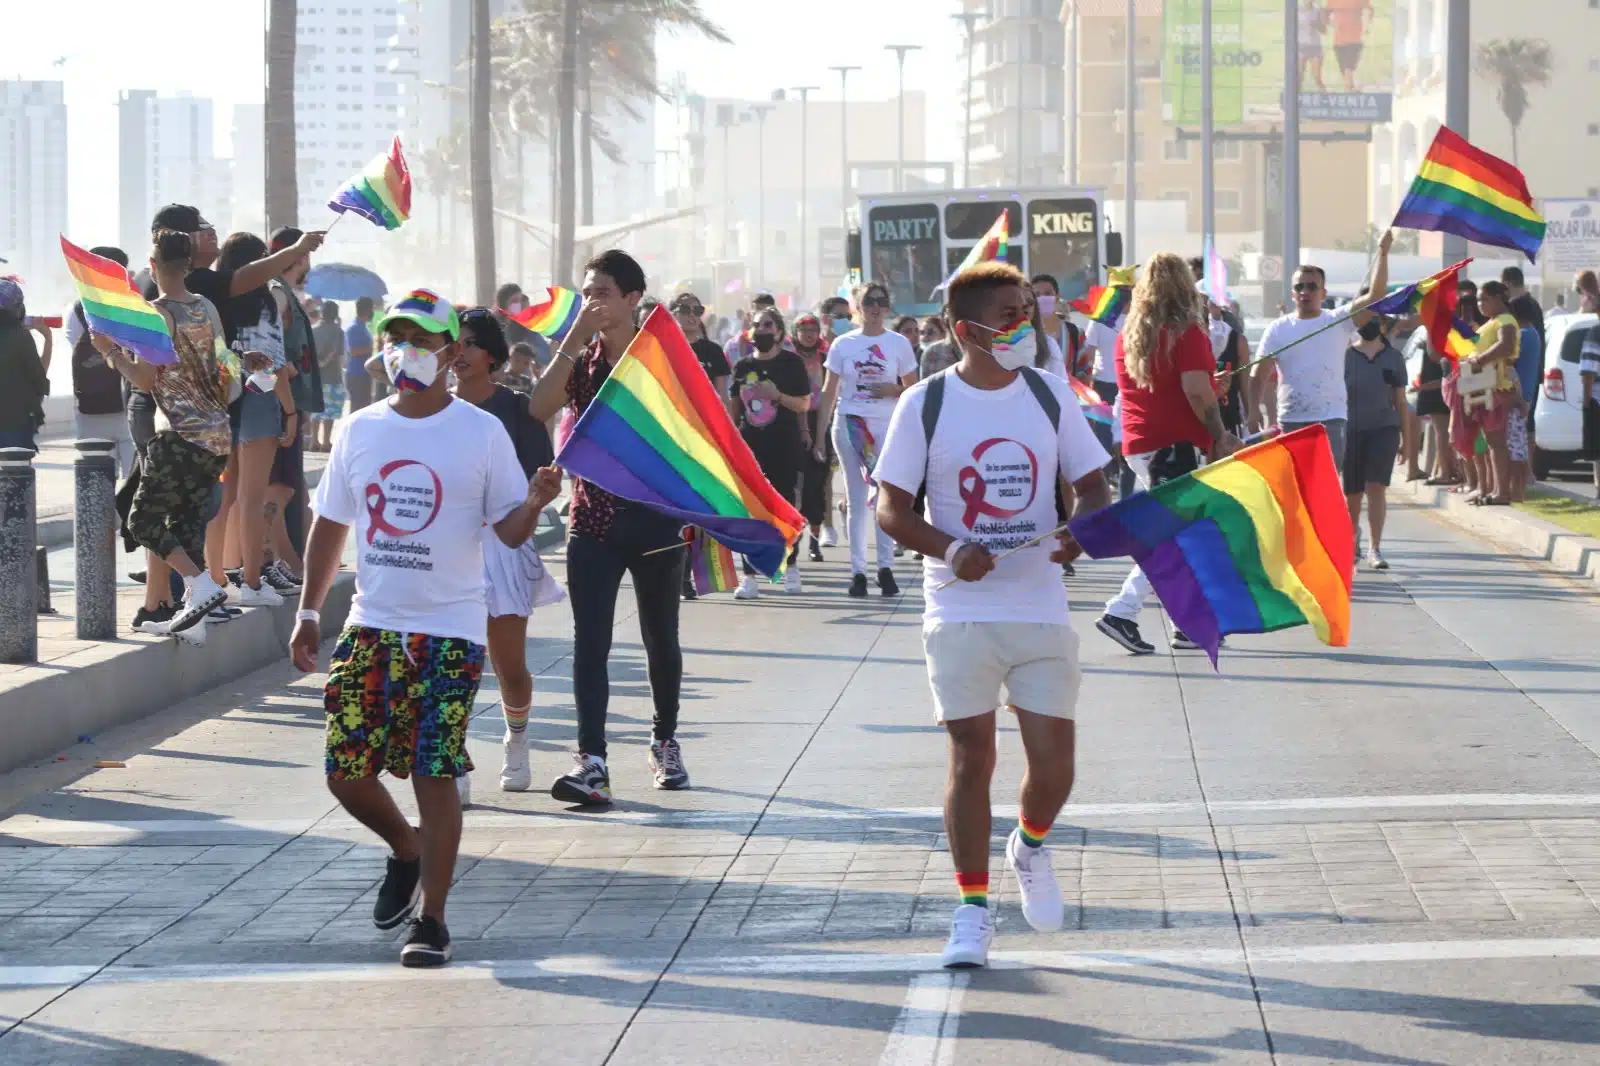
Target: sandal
[1439,482]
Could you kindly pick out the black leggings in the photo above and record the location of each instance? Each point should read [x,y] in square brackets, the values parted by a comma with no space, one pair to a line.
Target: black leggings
[784,473]
[594,575]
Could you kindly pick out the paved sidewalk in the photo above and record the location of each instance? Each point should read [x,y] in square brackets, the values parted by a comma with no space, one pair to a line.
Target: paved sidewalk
[1383,854]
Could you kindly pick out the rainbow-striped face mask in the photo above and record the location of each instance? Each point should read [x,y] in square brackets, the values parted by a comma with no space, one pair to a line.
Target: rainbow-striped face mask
[1016,346]
[409,369]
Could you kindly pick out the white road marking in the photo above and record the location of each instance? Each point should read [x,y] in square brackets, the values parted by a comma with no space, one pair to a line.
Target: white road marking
[925,1032]
[804,965]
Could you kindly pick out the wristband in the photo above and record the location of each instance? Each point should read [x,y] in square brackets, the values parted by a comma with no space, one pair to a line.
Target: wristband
[308,615]
[950,552]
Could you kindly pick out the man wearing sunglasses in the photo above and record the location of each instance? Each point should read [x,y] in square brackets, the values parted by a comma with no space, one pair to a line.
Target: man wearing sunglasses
[1312,341]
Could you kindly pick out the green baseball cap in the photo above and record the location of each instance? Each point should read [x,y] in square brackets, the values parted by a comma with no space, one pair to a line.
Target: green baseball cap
[427,309]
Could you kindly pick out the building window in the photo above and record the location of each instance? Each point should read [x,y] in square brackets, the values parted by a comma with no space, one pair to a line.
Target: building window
[1175,194]
[1175,151]
[1228,200]
[1229,151]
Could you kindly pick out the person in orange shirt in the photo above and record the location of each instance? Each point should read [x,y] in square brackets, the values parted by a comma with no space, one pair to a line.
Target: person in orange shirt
[1349,35]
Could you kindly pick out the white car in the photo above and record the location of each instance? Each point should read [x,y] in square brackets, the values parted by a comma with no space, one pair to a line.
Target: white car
[1558,420]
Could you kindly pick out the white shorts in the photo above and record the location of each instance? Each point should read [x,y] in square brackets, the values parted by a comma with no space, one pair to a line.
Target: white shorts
[969,662]
[516,578]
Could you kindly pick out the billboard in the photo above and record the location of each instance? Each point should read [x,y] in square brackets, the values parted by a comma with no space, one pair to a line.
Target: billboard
[1572,235]
[1346,60]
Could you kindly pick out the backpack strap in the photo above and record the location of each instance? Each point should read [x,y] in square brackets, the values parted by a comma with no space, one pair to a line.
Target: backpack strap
[1041,392]
[931,403]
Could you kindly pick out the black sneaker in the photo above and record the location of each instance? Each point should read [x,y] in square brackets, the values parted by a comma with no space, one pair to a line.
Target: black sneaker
[1183,642]
[666,764]
[397,896]
[235,576]
[815,554]
[858,586]
[137,576]
[278,579]
[428,944]
[1068,570]
[223,614]
[1125,633]
[886,581]
[146,621]
[587,783]
[688,591]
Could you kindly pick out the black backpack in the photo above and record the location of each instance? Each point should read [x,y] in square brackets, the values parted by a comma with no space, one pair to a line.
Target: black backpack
[934,401]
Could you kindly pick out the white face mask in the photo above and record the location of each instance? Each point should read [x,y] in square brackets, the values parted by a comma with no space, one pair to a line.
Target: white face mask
[409,369]
[1015,347]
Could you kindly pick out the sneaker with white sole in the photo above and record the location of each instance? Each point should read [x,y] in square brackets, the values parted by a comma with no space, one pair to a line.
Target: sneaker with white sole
[1376,561]
[517,775]
[587,783]
[264,596]
[1184,642]
[428,945]
[1125,633]
[464,790]
[279,579]
[204,594]
[829,538]
[194,636]
[791,580]
[666,765]
[154,622]
[971,933]
[1036,884]
[749,588]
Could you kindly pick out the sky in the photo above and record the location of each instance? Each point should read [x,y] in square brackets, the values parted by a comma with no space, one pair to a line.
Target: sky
[98,47]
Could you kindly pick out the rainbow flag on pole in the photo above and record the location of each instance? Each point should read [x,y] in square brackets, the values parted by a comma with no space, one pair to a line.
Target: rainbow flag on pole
[1089,402]
[995,244]
[114,309]
[658,433]
[1106,304]
[711,565]
[381,194]
[1434,300]
[1257,542]
[553,316]
[1462,190]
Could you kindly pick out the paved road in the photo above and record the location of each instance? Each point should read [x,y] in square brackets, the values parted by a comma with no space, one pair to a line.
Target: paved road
[1387,854]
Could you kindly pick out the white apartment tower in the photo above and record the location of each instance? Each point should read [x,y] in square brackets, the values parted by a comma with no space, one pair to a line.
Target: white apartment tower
[33,179]
[166,155]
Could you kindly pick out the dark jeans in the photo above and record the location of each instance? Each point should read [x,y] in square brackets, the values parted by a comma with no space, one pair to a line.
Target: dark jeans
[594,574]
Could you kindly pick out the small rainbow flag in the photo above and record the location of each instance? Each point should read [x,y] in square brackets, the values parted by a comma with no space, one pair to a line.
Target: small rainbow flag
[659,434]
[114,309]
[553,316]
[866,447]
[995,244]
[1463,190]
[1106,304]
[381,194]
[1094,408]
[1256,542]
[1434,300]
[711,565]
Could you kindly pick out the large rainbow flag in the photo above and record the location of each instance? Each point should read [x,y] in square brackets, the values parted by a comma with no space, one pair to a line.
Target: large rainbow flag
[657,433]
[381,193]
[1462,190]
[1434,300]
[114,309]
[1257,542]
[1106,304]
[553,316]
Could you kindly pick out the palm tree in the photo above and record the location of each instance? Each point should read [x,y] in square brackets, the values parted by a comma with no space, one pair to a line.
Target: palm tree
[1513,65]
[282,191]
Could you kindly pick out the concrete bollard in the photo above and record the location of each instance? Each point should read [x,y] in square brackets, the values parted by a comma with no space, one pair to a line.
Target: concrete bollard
[19,586]
[94,537]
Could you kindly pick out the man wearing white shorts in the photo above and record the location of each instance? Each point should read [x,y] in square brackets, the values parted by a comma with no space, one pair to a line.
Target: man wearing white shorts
[990,436]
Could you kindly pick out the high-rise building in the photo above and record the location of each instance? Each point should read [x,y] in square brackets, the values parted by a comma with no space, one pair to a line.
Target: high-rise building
[166,155]
[1018,82]
[33,180]
[356,85]
[249,169]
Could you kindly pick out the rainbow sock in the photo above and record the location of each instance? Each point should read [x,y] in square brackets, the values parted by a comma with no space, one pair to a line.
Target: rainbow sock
[516,717]
[1032,834]
[974,888]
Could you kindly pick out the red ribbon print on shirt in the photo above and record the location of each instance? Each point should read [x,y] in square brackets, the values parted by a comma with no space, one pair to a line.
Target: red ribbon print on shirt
[378,503]
[974,490]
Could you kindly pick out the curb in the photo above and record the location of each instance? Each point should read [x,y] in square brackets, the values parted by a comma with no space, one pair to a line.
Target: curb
[113,683]
[1565,551]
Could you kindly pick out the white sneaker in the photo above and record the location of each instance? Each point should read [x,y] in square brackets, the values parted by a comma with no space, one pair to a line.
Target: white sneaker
[194,635]
[464,790]
[829,538]
[204,596]
[749,588]
[791,580]
[517,776]
[1376,561]
[971,933]
[1036,883]
[265,596]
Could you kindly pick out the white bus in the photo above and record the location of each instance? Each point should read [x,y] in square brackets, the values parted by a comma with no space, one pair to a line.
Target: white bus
[913,241]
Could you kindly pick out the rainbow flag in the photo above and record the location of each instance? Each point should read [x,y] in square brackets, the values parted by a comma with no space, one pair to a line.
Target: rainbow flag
[1094,408]
[711,565]
[552,317]
[1434,300]
[1106,304]
[1462,190]
[381,194]
[1257,542]
[866,447]
[995,244]
[658,433]
[114,309]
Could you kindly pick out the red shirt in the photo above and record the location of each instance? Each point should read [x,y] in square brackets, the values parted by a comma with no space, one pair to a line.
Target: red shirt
[1158,416]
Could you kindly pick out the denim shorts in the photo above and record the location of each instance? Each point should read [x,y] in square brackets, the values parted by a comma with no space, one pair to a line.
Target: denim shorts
[256,416]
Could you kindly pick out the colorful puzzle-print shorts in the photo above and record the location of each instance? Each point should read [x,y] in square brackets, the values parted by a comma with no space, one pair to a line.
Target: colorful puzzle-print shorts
[400,702]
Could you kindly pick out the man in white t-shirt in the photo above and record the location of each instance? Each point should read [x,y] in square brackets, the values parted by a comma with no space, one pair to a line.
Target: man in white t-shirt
[1311,373]
[990,436]
[418,476]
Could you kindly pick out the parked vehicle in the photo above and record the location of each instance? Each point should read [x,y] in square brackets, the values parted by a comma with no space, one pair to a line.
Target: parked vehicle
[1558,420]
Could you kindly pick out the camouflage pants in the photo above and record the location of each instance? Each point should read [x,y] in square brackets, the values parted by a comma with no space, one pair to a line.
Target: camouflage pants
[169,506]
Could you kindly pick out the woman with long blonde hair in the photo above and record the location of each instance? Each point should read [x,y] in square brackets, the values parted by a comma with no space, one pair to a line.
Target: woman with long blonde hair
[1170,420]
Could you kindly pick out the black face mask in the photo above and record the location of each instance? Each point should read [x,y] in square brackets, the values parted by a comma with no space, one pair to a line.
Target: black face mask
[764,342]
[1371,331]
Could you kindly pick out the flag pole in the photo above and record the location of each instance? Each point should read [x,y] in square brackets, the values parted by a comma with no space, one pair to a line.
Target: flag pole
[337,216]
[1273,355]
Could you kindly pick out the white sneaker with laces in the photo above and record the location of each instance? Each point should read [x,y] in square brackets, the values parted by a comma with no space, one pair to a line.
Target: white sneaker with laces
[517,776]
[971,933]
[265,596]
[1376,561]
[464,790]
[829,538]
[1036,883]
[195,635]
[791,580]
[749,588]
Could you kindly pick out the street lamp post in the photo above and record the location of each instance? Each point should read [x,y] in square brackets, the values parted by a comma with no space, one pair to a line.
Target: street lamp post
[805,92]
[900,51]
[760,112]
[1208,160]
[844,145]
[968,19]
[1130,137]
